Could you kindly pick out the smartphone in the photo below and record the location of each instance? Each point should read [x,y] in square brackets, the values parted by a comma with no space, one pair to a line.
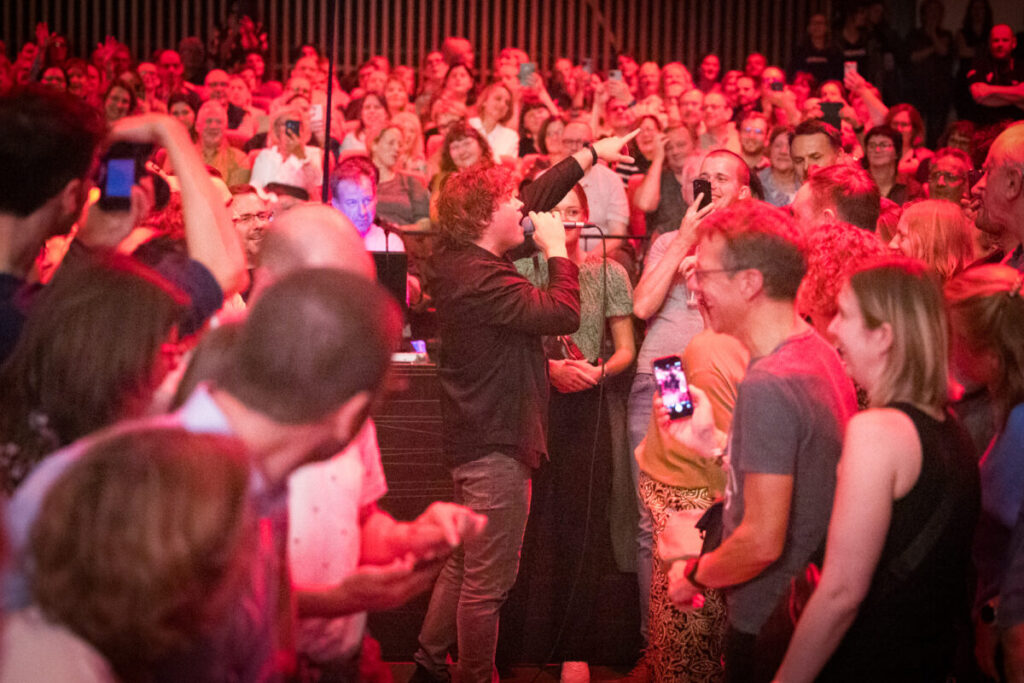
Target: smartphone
[615,75]
[292,126]
[526,70]
[588,65]
[120,168]
[830,111]
[777,86]
[701,185]
[849,67]
[672,386]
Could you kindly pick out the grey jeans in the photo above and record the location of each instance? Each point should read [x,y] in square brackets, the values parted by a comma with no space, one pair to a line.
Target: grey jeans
[640,397]
[475,581]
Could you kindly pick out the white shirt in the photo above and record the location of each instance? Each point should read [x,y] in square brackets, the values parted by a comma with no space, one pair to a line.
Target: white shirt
[606,197]
[374,240]
[324,536]
[271,167]
[504,141]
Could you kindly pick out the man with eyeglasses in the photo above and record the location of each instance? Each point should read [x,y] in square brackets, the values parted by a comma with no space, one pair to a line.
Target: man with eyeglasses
[250,216]
[999,195]
[947,175]
[753,140]
[785,438]
[606,195]
[720,132]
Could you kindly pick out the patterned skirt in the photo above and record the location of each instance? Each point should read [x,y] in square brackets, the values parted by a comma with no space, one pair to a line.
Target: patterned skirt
[682,645]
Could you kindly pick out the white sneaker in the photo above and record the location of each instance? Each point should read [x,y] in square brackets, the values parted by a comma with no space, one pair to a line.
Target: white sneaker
[575,672]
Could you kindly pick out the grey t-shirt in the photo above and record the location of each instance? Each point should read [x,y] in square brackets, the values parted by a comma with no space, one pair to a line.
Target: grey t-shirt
[791,412]
[676,323]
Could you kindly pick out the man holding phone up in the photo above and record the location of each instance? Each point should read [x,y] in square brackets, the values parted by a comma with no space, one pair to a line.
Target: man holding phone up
[787,431]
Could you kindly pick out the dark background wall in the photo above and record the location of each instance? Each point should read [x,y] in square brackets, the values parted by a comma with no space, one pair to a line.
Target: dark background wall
[403,30]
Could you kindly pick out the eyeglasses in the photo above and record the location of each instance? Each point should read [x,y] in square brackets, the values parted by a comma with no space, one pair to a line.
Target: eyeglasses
[754,131]
[250,217]
[572,213]
[950,178]
[702,275]
[882,144]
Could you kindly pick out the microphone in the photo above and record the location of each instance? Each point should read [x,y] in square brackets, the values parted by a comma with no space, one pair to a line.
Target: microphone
[528,228]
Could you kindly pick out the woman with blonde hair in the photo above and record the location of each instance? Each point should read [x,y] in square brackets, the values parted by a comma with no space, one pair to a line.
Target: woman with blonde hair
[898,549]
[494,108]
[414,159]
[986,315]
[936,232]
[289,158]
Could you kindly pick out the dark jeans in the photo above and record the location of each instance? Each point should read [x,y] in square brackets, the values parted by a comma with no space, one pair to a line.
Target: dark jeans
[752,657]
[476,579]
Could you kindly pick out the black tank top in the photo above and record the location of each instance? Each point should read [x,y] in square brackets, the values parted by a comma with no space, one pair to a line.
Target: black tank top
[904,630]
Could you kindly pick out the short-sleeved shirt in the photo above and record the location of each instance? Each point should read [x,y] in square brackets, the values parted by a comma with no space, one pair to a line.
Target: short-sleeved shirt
[676,322]
[606,198]
[619,301]
[791,412]
[324,504]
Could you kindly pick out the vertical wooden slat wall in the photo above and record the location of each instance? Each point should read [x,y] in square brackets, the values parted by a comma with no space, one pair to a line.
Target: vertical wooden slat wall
[403,30]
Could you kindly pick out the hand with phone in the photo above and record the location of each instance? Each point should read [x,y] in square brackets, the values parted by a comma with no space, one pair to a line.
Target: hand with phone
[293,144]
[697,431]
[672,387]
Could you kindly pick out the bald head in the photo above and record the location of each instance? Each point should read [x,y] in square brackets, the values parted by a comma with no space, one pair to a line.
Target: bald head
[1001,188]
[311,236]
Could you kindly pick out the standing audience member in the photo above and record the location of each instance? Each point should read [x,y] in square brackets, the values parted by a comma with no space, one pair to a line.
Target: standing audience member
[843,192]
[948,175]
[814,144]
[938,234]
[754,141]
[134,599]
[662,191]
[1000,194]
[895,572]
[606,196]
[787,430]
[906,120]
[996,80]
[986,316]
[883,147]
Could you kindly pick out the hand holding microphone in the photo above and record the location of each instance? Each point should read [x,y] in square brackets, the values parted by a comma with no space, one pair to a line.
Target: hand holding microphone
[548,233]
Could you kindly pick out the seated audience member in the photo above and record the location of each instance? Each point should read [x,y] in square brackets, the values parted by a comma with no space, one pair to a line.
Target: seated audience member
[250,215]
[778,179]
[883,147]
[842,192]
[354,183]
[139,551]
[412,156]
[641,148]
[708,73]
[948,175]
[531,118]
[402,199]
[463,147]
[459,85]
[183,107]
[48,143]
[93,351]
[691,111]
[997,80]
[884,610]
[211,126]
[372,114]
[664,190]
[396,97]
[814,144]
[753,133]
[118,102]
[719,130]
[906,120]
[494,111]
[289,158]
[938,234]
[606,197]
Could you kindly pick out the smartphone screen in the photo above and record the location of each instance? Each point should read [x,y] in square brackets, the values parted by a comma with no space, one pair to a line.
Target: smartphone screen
[849,67]
[831,114]
[120,178]
[526,70]
[701,185]
[293,126]
[671,380]
[777,86]
[615,75]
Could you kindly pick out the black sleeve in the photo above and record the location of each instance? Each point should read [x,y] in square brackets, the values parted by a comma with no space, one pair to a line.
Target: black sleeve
[544,193]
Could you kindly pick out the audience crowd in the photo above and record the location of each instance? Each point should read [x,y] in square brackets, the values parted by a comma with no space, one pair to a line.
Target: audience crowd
[191,344]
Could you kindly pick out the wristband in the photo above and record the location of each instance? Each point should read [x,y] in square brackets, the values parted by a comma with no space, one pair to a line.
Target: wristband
[593,151]
[690,572]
